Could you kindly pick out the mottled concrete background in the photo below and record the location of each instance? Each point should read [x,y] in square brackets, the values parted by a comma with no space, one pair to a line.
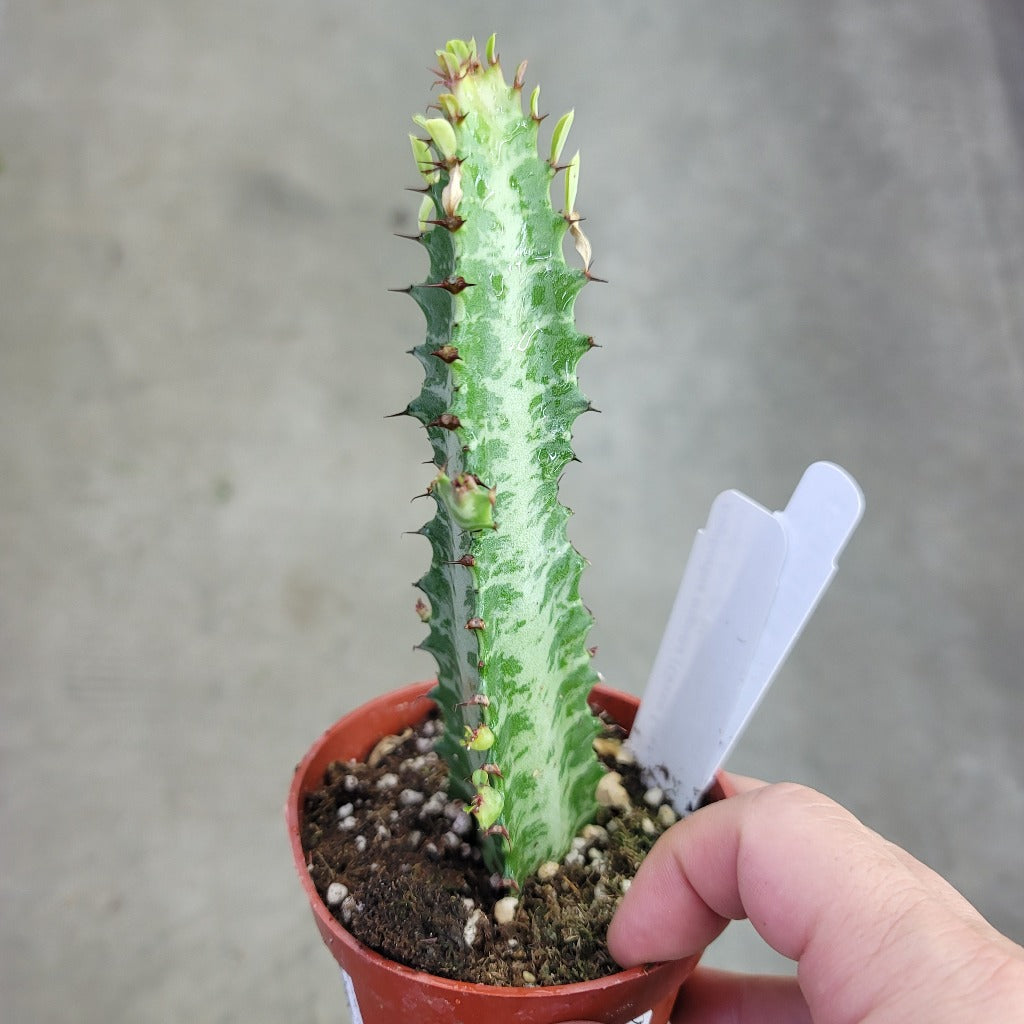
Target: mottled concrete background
[812,220]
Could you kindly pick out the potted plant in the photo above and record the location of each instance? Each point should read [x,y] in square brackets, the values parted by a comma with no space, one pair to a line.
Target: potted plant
[501,598]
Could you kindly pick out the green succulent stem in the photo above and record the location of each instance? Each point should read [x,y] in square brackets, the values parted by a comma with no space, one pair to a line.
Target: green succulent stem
[499,398]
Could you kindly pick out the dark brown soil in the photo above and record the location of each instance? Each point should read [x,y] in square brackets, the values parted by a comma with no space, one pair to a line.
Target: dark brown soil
[397,864]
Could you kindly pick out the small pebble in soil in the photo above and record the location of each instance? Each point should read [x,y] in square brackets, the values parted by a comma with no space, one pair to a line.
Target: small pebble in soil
[434,806]
[473,927]
[349,909]
[529,978]
[612,793]
[607,746]
[345,810]
[347,823]
[547,870]
[654,796]
[625,757]
[649,827]
[505,909]
[410,797]
[387,781]
[336,892]
[462,824]
[667,816]
[386,746]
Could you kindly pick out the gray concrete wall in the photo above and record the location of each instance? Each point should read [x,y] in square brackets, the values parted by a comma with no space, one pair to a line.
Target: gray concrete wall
[812,220]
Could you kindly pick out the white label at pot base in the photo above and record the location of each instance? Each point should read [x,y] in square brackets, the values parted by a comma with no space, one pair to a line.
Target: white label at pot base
[643,1018]
[353,1003]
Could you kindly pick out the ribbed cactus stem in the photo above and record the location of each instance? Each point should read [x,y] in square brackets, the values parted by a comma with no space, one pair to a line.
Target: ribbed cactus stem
[499,398]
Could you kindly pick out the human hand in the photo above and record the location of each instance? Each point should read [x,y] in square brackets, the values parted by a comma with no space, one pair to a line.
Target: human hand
[877,936]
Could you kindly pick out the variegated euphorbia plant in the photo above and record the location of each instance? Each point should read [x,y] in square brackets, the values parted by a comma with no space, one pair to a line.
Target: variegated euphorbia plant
[499,398]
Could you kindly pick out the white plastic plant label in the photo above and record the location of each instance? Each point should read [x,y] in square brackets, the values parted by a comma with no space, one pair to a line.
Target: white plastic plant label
[752,581]
[644,1018]
[353,1003]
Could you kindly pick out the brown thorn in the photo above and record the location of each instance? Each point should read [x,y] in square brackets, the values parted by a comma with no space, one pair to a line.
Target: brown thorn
[447,421]
[446,165]
[412,238]
[446,353]
[407,290]
[395,415]
[500,830]
[452,285]
[590,277]
[452,223]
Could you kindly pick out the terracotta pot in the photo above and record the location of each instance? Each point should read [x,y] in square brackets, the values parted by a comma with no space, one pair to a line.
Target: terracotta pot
[389,993]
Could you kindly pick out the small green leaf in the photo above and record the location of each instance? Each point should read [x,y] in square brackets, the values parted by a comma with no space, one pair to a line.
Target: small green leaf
[449,106]
[441,132]
[480,738]
[449,63]
[492,57]
[470,503]
[461,49]
[424,159]
[559,135]
[486,806]
[535,103]
[572,180]
[426,215]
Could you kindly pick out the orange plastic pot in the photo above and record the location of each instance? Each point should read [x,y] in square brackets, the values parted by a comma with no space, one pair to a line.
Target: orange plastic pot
[384,992]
